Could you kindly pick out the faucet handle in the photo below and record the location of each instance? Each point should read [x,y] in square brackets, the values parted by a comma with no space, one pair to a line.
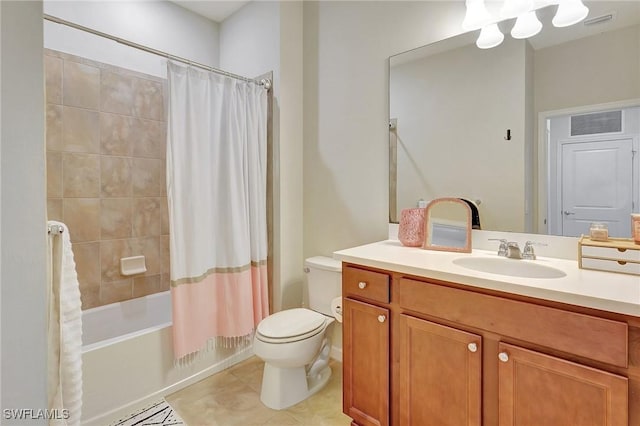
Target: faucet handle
[502,250]
[528,252]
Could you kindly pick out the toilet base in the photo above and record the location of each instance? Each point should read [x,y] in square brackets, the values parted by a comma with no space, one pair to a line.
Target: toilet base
[284,387]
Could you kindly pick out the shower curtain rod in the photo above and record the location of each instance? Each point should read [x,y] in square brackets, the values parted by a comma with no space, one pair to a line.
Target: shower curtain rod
[265,82]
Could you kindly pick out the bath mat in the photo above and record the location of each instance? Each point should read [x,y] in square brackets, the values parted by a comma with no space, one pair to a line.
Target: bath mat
[160,413]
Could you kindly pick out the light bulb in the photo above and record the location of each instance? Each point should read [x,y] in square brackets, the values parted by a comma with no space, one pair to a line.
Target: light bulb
[477,15]
[527,25]
[513,8]
[569,12]
[490,36]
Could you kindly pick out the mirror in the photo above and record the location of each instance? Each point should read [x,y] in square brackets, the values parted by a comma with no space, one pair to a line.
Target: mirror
[448,225]
[473,123]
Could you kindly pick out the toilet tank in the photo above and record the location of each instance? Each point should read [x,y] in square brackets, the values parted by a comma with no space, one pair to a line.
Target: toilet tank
[324,282]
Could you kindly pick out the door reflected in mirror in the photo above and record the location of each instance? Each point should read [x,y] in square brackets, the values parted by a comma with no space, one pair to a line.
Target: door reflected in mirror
[448,225]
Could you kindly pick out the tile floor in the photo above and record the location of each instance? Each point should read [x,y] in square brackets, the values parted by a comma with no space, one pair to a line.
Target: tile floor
[232,397]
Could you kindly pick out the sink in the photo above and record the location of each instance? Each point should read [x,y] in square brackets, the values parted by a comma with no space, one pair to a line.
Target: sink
[511,267]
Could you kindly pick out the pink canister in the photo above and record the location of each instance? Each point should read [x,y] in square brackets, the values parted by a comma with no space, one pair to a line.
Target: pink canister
[411,232]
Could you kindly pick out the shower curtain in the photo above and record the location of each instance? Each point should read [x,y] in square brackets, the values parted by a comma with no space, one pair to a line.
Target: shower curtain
[216,187]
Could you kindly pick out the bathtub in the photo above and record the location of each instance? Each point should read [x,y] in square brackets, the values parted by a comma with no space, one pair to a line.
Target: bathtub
[127,358]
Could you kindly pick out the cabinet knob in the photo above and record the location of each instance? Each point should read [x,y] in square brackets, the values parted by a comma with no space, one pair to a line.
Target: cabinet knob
[362,285]
[503,356]
[472,347]
[381,318]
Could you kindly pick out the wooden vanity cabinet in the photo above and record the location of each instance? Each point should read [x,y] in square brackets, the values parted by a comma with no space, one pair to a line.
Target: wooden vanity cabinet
[419,352]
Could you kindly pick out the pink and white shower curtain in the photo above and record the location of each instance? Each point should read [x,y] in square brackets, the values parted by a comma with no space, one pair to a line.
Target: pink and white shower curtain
[216,187]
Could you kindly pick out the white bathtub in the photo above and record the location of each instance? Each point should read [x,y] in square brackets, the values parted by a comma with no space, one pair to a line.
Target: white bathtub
[127,358]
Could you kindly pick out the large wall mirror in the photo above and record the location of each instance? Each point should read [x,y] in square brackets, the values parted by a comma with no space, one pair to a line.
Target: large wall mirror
[539,133]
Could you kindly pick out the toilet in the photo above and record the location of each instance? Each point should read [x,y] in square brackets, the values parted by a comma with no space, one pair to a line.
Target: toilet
[294,343]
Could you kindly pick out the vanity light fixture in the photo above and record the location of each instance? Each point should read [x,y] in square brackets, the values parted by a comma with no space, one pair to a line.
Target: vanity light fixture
[527,23]
[490,36]
[569,12]
[477,15]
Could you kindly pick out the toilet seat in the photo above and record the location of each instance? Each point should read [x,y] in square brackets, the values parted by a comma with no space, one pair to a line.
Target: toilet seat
[290,325]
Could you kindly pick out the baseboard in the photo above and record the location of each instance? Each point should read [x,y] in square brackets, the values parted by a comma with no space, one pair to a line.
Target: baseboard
[124,410]
[336,353]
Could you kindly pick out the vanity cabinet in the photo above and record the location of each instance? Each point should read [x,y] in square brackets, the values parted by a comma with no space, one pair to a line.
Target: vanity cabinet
[449,354]
[366,346]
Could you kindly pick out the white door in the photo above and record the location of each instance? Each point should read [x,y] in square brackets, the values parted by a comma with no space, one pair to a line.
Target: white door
[596,185]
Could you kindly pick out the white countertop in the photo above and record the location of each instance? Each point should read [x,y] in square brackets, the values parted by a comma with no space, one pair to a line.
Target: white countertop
[606,291]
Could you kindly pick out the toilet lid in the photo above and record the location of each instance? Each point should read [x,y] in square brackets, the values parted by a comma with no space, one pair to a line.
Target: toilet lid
[291,323]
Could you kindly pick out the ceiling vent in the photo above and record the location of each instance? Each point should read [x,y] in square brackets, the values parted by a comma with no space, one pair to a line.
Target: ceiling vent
[600,19]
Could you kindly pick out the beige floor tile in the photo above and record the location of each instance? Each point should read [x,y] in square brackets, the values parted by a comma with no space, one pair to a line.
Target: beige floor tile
[232,397]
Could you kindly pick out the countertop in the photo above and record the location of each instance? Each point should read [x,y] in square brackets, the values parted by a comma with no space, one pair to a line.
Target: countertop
[606,291]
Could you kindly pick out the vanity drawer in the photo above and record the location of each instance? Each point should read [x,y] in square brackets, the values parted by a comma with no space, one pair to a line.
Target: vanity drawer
[579,334]
[363,284]
[611,253]
[621,266]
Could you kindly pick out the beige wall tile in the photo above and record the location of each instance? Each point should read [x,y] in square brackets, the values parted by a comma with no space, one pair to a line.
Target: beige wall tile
[117,93]
[165,282]
[151,142]
[143,286]
[146,217]
[54,127]
[111,251]
[148,99]
[115,291]
[165,267]
[118,134]
[54,174]
[80,175]
[87,258]
[80,130]
[115,218]
[82,216]
[81,85]
[53,79]
[146,177]
[54,209]
[149,248]
[90,297]
[164,219]
[116,176]
[163,179]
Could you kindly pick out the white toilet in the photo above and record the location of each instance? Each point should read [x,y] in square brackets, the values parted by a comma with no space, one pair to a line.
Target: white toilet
[294,344]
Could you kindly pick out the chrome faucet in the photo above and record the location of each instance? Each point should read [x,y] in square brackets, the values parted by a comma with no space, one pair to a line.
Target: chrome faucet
[513,250]
[528,252]
[502,250]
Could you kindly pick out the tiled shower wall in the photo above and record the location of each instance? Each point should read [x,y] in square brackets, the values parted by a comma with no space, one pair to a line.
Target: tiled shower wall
[106,173]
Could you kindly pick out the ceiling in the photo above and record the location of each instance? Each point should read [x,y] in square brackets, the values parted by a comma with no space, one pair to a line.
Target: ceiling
[217,11]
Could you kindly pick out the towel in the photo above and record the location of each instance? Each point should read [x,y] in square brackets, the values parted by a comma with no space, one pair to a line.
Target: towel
[64,332]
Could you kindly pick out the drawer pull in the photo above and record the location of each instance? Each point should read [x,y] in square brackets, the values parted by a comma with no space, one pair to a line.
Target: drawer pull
[381,318]
[362,285]
[503,356]
[472,347]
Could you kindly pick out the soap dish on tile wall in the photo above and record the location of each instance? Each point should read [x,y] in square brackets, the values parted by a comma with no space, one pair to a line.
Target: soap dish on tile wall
[132,265]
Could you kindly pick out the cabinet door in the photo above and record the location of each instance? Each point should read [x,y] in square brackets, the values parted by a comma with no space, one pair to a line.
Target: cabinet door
[440,374]
[538,389]
[365,354]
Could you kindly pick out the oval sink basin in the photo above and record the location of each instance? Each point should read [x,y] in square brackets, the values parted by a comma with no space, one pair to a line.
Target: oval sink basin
[511,267]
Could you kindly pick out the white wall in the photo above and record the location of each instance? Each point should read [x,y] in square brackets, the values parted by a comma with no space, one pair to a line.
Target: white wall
[23,225]
[452,111]
[163,26]
[592,70]
[346,50]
